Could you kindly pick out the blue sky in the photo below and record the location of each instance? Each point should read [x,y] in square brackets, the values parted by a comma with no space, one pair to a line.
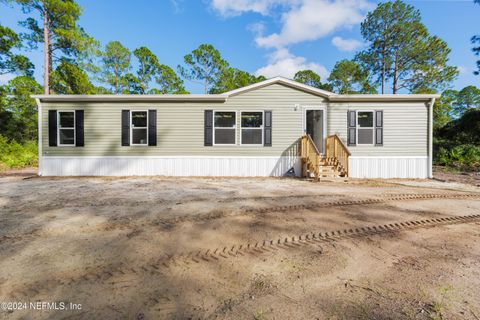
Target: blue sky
[270,37]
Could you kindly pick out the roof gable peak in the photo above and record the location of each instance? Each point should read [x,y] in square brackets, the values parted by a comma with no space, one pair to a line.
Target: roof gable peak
[283,81]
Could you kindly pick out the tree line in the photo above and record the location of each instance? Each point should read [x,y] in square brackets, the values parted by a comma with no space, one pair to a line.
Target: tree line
[399,56]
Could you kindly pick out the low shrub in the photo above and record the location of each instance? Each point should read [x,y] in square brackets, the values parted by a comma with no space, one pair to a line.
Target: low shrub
[16,155]
[465,156]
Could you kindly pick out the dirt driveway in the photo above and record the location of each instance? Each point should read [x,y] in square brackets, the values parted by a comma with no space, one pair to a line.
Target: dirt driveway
[186,248]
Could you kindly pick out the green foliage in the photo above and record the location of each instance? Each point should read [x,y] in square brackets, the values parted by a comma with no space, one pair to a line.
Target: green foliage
[348,77]
[64,33]
[463,156]
[402,50]
[476,50]
[442,109]
[58,24]
[10,62]
[18,113]
[115,66]
[453,104]
[68,78]
[169,82]
[232,78]
[132,84]
[458,142]
[203,65]
[15,155]
[467,99]
[148,67]
[312,79]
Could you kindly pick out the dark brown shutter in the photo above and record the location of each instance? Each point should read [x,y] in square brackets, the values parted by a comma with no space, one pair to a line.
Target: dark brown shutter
[125,128]
[79,131]
[208,128]
[267,127]
[352,124]
[152,127]
[379,128]
[52,128]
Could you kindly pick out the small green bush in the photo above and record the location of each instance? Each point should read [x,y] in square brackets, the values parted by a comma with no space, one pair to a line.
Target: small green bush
[16,155]
[464,156]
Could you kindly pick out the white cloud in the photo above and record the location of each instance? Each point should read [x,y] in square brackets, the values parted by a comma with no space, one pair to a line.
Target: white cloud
[463,70]
[4,78]
[314,19]
[346,44]
[177,5]
[301,20]
[236,7]
[283,63]
[258,28]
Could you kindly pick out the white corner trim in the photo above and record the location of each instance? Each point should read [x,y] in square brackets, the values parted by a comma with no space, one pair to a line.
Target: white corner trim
[40,146]
[430,138]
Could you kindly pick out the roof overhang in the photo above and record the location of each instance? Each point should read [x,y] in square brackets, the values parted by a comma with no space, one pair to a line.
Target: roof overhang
[132,98]
[383,97]
[329,96]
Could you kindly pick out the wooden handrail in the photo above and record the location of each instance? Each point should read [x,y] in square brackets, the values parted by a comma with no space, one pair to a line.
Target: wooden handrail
[310,155]
[337,153]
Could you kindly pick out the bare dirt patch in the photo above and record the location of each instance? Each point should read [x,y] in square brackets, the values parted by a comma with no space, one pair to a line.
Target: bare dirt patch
[206,248]
[466,177]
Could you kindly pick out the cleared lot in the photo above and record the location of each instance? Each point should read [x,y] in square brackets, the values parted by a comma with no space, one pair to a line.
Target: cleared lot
[239,248]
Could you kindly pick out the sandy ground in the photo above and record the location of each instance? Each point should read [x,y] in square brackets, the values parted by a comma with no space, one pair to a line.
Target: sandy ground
[205,248]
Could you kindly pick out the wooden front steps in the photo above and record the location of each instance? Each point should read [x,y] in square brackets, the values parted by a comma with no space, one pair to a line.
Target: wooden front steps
[332,166]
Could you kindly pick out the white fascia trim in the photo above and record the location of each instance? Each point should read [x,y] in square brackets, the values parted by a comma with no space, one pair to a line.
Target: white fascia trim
[388,157]
[280,80]
[383,97]
[131,97]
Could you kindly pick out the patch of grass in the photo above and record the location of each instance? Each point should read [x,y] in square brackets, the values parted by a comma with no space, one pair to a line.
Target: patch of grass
[441,305]
[14,155]
[260,315]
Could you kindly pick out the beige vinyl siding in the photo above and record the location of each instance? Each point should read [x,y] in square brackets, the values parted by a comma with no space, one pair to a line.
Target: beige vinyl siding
[180,130]
[180,126]
[405,128]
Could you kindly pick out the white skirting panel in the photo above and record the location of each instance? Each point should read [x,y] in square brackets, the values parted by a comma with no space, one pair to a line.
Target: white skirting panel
[388,167]
[169,166]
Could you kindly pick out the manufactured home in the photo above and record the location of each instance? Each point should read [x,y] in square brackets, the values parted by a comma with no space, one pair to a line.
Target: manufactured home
[276,127]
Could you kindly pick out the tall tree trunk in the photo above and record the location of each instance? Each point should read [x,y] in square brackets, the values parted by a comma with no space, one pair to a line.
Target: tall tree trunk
[384,62]
[47,52]
[395,75]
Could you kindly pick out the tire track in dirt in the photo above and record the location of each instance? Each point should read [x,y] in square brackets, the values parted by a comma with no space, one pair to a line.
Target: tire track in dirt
[169,223]
[158,266]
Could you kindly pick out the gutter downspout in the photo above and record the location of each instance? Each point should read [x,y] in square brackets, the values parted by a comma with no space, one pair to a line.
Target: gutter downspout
[39,105]
[430,138]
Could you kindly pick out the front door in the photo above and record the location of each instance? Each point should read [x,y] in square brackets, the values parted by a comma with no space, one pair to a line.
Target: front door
[314,127]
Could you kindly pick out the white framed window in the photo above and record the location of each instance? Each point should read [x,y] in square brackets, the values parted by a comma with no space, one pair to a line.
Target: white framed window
[138,128]
[365,127]
[224,127]
[251,127]
[66,128]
